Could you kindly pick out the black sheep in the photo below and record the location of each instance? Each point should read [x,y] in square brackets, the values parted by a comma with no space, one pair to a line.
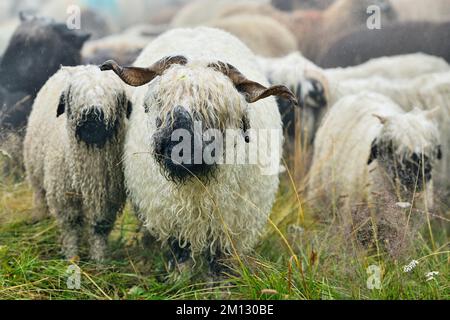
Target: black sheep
[36,51]
[363,44]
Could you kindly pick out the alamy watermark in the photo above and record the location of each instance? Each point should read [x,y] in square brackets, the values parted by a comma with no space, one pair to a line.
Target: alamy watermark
[215,147]
[374,20]
[374,279]
[73,21]
[73,274]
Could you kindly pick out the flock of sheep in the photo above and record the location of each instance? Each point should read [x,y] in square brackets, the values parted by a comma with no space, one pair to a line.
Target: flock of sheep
[92,120]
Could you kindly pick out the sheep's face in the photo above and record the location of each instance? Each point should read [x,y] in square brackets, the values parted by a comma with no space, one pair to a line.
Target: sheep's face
[311,93]
[407,149]
[95,104]
[193,105]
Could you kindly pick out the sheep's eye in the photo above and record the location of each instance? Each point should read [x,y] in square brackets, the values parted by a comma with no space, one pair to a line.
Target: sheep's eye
[245,127]
[439,153]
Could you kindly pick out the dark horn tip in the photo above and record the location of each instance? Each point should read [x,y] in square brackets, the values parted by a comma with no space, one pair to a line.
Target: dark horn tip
[108,65]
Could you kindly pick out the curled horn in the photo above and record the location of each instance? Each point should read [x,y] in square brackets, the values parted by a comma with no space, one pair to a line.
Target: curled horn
[253,91]
[139,76]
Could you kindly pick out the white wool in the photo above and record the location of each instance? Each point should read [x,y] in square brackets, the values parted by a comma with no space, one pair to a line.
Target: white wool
[62,171]
[373,75]
[340,170]
[194,14]
[395,67]
[231,211]
[264,35]
[428,92]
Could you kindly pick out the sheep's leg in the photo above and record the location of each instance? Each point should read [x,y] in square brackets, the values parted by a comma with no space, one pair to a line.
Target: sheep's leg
[71,225]
[147,239]
[99,231]
[180,262]
[40,204]
[215,263]
[178,255]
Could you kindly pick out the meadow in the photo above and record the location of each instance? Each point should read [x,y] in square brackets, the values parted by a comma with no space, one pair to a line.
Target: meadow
[298,258]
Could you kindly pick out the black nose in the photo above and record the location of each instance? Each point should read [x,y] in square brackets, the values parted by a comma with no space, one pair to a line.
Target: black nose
[93,130]
[181,163]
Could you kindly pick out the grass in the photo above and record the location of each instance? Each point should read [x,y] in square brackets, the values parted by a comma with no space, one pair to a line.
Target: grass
[290,262]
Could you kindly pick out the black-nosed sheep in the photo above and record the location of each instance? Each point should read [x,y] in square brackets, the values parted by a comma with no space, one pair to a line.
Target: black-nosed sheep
[200,205]
[73,151]
[370,155]
[319,88]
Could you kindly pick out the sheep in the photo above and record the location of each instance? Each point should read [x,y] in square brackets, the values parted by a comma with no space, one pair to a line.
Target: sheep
[92,21]
[429,91]
[264,35]
[369,157]
[318,89]
[131,12]
[21,69]
[309,26]
[123,48]
[7,28]
[23,72]
[362,44]
[194,204]
[194,13]
[393,67]
[422,10]
[73,149]
[291,5]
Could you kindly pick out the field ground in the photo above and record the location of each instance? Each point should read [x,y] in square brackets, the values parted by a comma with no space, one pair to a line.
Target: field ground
[291,262]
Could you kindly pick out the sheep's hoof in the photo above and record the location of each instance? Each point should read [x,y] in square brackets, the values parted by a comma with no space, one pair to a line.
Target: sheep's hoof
[178,255]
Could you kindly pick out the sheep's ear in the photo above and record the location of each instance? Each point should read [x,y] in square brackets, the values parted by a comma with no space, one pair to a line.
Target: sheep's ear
[373,152]
[61,106]
[253,91]
[26,16]
[382,119]
[137,77]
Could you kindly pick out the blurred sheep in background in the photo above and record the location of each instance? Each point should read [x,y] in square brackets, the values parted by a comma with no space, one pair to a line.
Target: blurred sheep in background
[399,38]
[370,155]
[422,10]
[35,52]
[263,35]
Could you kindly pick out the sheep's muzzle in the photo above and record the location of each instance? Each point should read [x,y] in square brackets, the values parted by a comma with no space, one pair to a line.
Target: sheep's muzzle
[93,130]
[176,156]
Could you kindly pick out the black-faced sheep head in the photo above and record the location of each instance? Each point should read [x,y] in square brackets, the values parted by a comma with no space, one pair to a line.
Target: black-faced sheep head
[312,94]
[36,51]
[407,148]
[195,102]
[95,107]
